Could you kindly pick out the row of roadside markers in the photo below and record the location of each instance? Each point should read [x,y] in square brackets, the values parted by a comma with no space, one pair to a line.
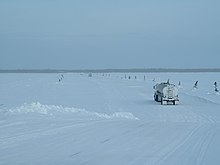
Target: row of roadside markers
[144,77]
[215,86]
[179,84]
[123,77]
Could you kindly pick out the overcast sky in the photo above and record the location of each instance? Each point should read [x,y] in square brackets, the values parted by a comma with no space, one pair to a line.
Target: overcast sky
[98,34]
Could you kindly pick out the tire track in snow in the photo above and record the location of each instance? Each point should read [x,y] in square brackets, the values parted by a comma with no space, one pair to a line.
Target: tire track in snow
[176,146]
[191,145]
[14,139]
[203,144]
[168,151]
[199,138]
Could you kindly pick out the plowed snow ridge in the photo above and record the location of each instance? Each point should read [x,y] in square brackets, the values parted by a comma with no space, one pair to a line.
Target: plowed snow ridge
[51,109]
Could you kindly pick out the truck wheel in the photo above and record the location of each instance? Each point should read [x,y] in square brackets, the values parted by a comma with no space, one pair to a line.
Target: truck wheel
[161,101]
[156,98]
[174,103]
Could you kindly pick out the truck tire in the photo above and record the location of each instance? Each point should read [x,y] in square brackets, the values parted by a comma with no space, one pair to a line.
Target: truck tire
[174,103]
[156,98]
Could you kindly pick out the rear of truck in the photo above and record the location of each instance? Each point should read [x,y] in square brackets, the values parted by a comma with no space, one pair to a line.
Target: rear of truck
[166,93]
[170,95]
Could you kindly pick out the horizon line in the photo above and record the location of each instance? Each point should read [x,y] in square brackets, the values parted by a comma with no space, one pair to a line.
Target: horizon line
[141,70]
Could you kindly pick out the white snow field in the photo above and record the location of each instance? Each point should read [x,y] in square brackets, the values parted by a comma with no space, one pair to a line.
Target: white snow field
[108,120]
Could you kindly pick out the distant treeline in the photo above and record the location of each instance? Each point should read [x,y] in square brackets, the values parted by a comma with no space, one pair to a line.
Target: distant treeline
[149,70]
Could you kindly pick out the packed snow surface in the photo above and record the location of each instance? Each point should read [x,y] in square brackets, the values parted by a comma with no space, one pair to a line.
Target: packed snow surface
[108,119]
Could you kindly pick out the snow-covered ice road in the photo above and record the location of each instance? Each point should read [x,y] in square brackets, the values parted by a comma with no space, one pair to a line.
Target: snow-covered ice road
[107,119]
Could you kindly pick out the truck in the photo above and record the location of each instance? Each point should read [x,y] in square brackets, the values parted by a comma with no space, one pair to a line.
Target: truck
[166,93]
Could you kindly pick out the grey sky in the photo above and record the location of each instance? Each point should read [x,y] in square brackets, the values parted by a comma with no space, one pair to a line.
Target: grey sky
[81,34]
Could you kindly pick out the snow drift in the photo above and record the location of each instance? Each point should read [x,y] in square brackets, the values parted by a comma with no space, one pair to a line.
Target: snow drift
[51,110]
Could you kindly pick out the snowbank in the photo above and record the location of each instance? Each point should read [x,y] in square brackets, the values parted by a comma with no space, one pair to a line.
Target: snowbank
[53,110]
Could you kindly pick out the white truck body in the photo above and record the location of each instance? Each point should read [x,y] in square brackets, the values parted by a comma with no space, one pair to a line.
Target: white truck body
[166,93]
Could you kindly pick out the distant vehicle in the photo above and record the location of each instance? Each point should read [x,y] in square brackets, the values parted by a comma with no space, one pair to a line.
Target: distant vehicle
[166,93]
